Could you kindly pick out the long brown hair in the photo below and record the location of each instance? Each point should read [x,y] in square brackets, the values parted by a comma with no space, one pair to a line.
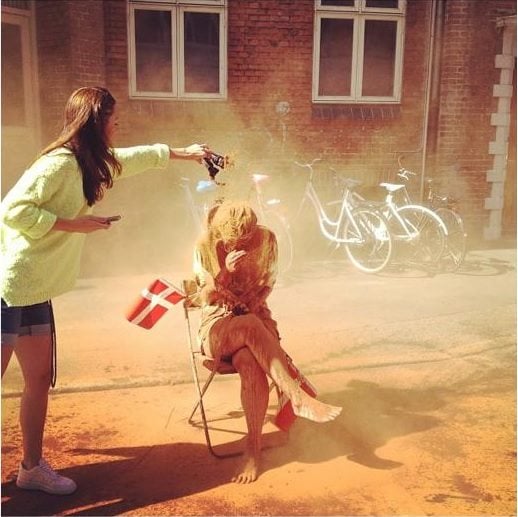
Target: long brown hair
[86,114]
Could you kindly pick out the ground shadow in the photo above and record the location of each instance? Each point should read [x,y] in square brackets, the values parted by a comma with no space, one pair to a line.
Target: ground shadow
[137,477]
[477,264]
[372,415]
[474,264]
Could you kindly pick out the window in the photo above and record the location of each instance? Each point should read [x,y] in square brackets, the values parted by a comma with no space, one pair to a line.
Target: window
[13,99]
[178,49]
[358,51]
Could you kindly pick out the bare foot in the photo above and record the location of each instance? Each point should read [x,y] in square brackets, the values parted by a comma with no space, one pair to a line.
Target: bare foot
[249,472]
[312,409]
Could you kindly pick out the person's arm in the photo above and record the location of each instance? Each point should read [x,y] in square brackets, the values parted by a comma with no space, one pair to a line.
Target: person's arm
[82,224]
[257,297]
[140,158]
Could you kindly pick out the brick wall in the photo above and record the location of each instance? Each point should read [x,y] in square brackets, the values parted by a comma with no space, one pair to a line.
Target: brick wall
[70,38]
[270,60]
[471,41]
[270,46]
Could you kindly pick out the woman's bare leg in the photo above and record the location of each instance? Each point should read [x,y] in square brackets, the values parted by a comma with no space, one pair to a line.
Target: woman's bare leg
[34,355]
[7,352]
[254,398]
[232,333]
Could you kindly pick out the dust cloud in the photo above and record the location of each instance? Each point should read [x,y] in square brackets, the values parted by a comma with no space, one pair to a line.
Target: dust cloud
[163,211]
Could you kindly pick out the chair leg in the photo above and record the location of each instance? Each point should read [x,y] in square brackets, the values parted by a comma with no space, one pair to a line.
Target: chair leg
[202,392]
[207,435]
[199,404]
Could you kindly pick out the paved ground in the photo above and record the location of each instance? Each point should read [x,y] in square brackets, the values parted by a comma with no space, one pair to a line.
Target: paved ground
[424,366]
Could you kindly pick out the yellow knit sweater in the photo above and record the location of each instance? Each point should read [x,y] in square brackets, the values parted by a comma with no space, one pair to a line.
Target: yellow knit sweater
[39,263]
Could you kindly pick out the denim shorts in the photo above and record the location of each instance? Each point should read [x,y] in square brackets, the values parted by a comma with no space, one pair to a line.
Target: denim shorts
[31,320]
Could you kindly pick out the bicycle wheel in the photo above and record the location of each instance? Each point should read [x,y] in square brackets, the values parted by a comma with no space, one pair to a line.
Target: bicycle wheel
[422,233]
[455,249]
[368,243]
[278,225]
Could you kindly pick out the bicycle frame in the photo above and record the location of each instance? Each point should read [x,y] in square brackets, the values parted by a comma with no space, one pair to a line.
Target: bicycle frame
[193,208]
[330,228]
[392,208]
[263,206]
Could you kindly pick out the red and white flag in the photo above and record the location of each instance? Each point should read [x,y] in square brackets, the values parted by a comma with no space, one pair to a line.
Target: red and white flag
[153,303]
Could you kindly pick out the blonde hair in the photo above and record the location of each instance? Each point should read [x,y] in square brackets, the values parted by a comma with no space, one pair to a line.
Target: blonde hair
[231,221]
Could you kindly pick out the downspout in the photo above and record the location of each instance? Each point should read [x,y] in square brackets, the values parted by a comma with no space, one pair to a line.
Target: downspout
[432,89]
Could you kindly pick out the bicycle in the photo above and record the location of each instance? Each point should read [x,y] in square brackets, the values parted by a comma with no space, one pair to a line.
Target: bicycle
[419,232]
[199,203]
[361,230]
[269,214]
[445,207]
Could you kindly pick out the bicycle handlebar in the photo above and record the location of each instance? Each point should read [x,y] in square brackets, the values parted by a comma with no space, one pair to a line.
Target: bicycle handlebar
[308,165]
[405,173]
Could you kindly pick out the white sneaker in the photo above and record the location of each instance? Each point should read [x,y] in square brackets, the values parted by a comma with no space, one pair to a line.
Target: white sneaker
[42,477]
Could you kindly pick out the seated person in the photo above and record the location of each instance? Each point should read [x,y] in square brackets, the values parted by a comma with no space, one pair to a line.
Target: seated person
[235,266]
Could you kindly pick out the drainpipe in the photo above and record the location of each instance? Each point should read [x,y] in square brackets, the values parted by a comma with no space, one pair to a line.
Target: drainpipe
[432,89]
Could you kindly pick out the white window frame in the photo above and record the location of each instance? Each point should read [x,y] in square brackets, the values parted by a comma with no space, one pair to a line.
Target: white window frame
[359,13]
[25,20]
[177,8]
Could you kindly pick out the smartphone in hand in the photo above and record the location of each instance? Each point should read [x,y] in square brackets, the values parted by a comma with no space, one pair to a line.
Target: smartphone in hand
[113,218]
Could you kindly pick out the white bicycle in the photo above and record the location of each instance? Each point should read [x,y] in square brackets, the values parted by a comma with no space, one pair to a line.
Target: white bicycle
[360,229]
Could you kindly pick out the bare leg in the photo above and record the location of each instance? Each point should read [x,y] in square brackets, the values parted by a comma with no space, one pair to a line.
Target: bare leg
[254,397]
[7,352]
[230,334]
[34,354]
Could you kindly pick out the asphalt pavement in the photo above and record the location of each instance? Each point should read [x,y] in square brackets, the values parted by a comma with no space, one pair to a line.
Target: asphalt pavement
[423,363]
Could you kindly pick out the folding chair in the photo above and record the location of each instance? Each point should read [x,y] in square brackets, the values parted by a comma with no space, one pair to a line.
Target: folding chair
[192,303]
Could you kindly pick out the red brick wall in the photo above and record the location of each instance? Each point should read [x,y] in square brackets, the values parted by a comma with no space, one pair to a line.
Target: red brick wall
[270,45]
[270,60]
[70,38]
[471,41]
[54,56]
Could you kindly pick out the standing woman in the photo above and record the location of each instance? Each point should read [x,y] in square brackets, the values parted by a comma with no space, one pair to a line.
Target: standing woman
[45,218]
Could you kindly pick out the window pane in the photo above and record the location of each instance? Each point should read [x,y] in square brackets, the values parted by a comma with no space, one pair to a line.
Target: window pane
[384,4]
[379,58]
[13,100]
[201,47]
[153,50]
[338,3]
[336,44]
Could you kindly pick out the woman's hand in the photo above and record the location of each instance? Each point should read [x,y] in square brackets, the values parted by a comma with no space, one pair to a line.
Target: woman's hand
[83,224]
[197,150]
[192,152]
[233,259]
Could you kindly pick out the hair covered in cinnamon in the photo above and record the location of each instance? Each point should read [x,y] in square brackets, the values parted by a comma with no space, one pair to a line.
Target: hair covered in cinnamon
[232,221]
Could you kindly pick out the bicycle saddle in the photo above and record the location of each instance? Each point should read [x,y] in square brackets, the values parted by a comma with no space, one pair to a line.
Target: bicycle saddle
[392,187]
[258,178]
